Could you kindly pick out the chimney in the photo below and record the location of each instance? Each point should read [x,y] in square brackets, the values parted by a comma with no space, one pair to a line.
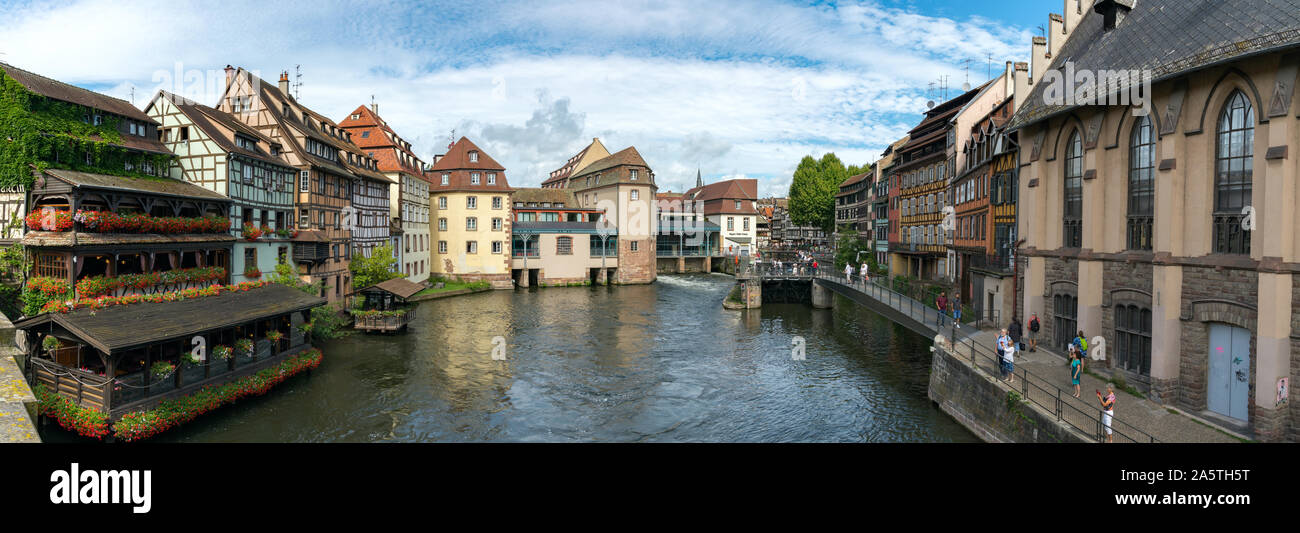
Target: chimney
[284,82]
[436,157]
[1022,85]
[1009,80]
[1073,15]
[374,106]
[1055,34]
[1113,11]
[230,74]
[1038,55]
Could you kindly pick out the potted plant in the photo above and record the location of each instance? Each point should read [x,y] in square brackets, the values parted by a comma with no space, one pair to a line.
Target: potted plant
[275,337]
[252,273]
[252,232]
[50,344]
[162,370]
[244,346]
[222,352]
[190,359]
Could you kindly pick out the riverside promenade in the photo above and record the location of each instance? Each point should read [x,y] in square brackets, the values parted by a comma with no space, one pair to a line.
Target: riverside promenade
[1042,378]
[15,422]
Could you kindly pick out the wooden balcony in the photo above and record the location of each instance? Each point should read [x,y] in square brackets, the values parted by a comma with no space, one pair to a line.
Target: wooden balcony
[82,388]
[383,323]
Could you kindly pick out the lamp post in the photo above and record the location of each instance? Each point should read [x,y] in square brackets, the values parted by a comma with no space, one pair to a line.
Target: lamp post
[604,228]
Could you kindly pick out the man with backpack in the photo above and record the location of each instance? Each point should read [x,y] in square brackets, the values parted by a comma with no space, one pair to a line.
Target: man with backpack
[1033,332]
[1081,343]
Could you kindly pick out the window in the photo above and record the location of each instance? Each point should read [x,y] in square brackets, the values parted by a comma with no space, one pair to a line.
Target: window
[471,247]
[1072,214]
[635,194]
[496,247]
[1133,332]
[51,265]
[1233,175]
[445,178]
[634,178]
[305,218]
[442,224]
[737,205]
[473,157]
[496,202]
[1141,185]
[471,202]
[491,178]
[746,223]
[731,223]
[250,258]
[1065,319]
[634,246]
[442,247]
[442,202]
[564,246]
[473,178]
[496,224]
[471,223]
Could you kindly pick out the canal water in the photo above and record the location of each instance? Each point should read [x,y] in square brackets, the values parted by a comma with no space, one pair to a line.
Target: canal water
[647,363]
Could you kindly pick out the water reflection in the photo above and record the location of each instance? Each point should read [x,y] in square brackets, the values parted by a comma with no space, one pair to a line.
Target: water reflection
[662,362]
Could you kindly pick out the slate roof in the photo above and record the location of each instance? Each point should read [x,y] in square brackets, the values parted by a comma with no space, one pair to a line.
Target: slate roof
[70,93]
[153,322]
[221,127]
[158,186]
[540,195]
[399,287]
[1170,38]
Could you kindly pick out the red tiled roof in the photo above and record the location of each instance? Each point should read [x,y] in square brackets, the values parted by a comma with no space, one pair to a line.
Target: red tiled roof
[373,135]
[457,164]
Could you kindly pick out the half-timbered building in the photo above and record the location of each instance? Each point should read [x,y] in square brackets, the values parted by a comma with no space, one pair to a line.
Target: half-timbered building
[218,152]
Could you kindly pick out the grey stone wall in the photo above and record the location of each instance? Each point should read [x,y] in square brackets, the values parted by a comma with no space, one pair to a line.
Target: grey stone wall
[977,402]
[1115,276]
[1240,289]
[1054,270]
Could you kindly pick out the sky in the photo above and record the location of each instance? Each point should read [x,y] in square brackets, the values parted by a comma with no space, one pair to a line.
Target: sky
[732,88]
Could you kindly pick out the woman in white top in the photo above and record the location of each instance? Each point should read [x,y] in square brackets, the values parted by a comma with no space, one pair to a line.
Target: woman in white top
[848,272]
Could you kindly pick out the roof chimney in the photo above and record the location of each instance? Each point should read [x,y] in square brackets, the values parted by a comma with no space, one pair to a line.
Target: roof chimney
[1113,11]
[284,82]
[230,74]
[1073,14]
[1022,85]
[1038,55]
[1055,34]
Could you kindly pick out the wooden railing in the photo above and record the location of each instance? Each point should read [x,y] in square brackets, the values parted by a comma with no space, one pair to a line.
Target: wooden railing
[82,388]
[382,323]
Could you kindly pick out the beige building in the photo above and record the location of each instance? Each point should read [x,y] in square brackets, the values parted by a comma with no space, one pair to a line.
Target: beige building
[470,201]
[1170,238]
[556,242]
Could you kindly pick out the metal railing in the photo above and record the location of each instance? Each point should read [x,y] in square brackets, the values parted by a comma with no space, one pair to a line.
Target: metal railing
[1079,415]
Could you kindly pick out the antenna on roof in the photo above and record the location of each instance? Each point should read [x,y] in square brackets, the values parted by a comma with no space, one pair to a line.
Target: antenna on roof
[132,95]
[1042,32]
[990,73]
[297,85]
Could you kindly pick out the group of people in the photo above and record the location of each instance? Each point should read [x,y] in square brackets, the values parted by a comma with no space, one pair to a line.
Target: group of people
[864,272]
[1009,341]
[949,307]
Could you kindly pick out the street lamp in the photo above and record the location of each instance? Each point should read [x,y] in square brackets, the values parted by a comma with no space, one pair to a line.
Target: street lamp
[604,228]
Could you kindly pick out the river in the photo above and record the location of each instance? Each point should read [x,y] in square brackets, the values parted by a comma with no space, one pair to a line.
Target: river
[645,363]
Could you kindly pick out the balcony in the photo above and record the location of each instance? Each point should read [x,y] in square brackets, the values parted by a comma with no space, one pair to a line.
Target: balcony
[1002,263]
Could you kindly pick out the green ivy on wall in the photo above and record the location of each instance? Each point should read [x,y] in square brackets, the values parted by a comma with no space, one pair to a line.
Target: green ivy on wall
[48,133]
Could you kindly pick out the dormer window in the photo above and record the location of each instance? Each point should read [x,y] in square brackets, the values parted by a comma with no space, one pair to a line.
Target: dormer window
[99,120]
[634,174]
[492,178]
[473,157]
[356,116]
[473,177]
[365,134]
[445,178]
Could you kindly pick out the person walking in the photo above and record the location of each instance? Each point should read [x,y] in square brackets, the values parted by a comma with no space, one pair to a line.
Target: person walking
[941,303]
[848,272]
[1033,332]
[1107,410]
[1081,343]
[956,309]
[1076,370]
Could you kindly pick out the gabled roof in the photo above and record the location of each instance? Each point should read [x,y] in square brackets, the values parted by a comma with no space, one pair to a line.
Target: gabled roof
[1170,39]
[373,135]
[155,322]
[723,193]
[221,127]
[398,287]
[627,156]
[457,158]
[588,155]
[70,93]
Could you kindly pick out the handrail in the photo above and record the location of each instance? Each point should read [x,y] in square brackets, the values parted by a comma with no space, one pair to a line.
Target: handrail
[978,354]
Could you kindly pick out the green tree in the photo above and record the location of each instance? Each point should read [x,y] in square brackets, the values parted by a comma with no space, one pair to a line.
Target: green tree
[381,266]
[813,189]
[847,248]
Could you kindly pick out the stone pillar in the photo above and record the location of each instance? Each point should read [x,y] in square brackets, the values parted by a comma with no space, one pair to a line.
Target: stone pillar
[1166,332]
[681,265]
[602,276]
[1090,289]
[523,279]
[822,298]
[753,293]
[708,264]
[1273,355]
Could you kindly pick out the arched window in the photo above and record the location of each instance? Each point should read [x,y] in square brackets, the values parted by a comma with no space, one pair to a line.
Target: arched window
[1233,174]
[1141,185]
[1072,214]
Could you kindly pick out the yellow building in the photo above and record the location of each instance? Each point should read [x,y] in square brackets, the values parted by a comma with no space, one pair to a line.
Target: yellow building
[470,226]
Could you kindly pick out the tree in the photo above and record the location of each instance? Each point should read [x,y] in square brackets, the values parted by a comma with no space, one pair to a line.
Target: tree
[381,266]
[812,195]
[846,251]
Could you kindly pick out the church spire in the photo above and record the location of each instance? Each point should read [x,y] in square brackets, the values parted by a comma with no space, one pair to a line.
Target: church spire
[699,181]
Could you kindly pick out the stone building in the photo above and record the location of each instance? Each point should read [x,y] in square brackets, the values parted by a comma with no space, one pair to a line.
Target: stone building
[470,198]
[1170,237]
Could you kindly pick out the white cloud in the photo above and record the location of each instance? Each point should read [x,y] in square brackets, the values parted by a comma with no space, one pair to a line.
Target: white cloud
[748,93]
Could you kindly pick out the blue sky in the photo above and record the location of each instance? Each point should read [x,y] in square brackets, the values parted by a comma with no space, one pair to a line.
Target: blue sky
[736,88]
